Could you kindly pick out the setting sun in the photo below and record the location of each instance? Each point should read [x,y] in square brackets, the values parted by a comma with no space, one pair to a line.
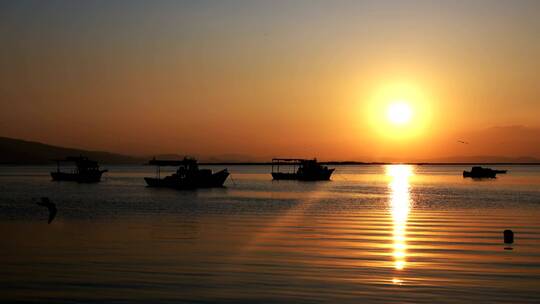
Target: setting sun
[399,113]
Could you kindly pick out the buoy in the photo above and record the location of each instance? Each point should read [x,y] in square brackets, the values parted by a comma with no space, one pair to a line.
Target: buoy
[508,236]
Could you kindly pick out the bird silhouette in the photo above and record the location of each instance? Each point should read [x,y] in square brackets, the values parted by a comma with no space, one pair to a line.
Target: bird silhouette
[45,202]
[462,142]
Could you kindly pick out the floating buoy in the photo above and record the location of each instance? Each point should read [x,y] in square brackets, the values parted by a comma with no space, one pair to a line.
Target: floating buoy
[508,236]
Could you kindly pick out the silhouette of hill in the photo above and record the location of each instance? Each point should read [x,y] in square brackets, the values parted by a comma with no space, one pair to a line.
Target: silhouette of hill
[171,156]
[486,159]
[232,158]
[22,152]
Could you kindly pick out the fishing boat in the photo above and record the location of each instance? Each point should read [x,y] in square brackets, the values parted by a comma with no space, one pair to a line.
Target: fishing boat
[480,172]
[85,171]
[300,169]
[187,176]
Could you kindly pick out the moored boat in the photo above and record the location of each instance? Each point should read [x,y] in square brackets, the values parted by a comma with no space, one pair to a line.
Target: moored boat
[187,176]
[480,172]
[302,169]
[86,171]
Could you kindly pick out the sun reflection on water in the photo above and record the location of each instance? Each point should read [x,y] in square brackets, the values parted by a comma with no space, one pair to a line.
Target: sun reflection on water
[400,206]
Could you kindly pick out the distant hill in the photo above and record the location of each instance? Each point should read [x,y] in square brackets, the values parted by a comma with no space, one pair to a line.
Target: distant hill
[234,158]
[21,152]
[486,159]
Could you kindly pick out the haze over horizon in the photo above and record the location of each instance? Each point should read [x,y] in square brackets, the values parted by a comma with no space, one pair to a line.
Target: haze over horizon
[303,78]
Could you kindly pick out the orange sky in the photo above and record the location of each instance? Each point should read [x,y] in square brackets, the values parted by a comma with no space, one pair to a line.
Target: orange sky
[266,79]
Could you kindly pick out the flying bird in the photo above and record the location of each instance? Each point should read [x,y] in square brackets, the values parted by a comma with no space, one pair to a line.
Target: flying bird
[462,142]
[45,202]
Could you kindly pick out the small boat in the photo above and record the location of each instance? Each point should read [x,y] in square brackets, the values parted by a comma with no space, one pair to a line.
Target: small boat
[86,171]
[480,172]
[302,169]
[187,176]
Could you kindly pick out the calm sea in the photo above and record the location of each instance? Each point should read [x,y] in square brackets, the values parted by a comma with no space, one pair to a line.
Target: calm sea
[374,234]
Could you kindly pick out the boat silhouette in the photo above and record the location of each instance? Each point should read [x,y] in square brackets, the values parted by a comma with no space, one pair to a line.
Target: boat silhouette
[303,169]
[480,172]
[86,170]
[187,176]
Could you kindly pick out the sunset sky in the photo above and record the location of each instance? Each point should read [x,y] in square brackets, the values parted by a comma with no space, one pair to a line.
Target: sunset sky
[358,80]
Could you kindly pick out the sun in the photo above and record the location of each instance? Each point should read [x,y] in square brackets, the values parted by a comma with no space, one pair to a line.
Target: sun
[399,113]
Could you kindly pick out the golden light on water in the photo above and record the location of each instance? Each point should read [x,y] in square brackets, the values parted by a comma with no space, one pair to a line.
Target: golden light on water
[400,206]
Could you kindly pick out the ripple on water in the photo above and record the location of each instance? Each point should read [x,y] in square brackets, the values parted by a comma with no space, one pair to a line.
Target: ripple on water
[375,234]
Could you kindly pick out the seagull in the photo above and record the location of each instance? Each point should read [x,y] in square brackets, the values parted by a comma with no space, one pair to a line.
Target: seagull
[45,202]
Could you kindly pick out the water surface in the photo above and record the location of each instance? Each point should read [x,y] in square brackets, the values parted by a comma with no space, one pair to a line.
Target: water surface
[373,234]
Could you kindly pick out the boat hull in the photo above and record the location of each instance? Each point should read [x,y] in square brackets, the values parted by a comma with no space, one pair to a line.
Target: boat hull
[212,181]
[318,176]
[322,175]
[284,176]
[87,177]
[479,175]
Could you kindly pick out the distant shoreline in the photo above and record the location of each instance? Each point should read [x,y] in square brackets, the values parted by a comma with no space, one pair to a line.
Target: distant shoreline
[353,163]
[330,163]
[18,152]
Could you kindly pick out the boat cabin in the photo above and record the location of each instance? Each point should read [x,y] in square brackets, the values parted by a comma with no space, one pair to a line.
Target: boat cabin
[85,170]
[185,166]
[187,175]
[300,169]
